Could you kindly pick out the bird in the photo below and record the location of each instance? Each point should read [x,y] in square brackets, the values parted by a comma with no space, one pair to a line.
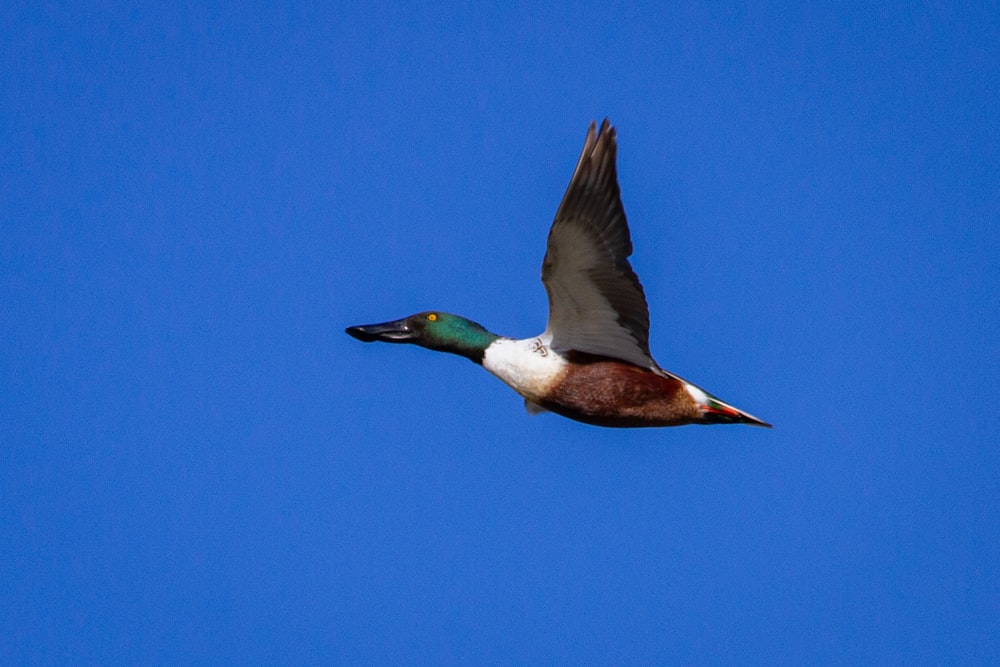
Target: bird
[592,363]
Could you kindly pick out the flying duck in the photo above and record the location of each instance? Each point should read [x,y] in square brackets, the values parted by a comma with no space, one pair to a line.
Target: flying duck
[592,363]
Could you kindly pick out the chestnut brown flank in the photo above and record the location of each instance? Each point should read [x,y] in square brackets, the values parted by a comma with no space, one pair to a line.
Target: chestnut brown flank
[614,393]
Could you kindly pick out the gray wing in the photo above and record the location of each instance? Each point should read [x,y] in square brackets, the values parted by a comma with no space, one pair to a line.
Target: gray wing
[596,304]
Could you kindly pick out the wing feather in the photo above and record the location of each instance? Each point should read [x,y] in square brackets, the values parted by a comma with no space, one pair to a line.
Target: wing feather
[596,303]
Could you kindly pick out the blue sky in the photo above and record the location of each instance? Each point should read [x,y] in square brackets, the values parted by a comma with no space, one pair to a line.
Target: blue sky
[200,467]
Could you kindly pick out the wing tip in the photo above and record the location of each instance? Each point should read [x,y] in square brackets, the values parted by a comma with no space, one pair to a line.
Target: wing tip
[598,137]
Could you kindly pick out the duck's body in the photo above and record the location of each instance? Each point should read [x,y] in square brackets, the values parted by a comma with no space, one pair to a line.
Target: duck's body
[593,389]
[592,363]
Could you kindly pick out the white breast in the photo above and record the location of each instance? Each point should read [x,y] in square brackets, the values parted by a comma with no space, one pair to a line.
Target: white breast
[528,366]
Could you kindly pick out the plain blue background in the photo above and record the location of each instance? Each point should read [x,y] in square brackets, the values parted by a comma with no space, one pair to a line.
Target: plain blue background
[200,467]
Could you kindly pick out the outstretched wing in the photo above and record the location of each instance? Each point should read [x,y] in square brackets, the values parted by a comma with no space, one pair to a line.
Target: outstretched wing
[596,304]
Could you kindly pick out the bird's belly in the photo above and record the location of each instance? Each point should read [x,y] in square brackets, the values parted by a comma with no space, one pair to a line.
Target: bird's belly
[612,393]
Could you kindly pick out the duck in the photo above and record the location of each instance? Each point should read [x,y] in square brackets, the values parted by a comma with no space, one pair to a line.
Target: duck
[592,363]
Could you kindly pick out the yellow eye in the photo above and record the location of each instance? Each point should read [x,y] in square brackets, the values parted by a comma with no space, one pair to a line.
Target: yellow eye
[432,317]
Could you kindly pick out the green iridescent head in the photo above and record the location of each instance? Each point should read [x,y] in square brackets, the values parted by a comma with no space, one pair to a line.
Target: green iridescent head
[432,329]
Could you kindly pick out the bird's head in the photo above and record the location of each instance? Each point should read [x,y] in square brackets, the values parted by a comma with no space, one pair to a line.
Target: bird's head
[434,330]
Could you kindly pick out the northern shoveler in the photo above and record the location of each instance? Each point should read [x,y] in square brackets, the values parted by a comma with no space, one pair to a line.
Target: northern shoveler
[592,363]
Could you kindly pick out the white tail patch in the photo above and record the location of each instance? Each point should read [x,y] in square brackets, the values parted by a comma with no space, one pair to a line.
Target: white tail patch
[700,397]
